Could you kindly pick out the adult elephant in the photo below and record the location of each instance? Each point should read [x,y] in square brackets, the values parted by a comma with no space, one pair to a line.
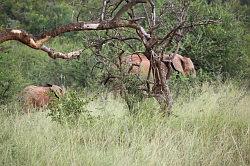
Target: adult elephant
[40,96]
[140,65]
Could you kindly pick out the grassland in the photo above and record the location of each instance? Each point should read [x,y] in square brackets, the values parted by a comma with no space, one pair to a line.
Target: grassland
[211,127]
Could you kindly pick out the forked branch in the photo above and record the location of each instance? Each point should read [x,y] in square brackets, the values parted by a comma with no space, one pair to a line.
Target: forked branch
[126,7]
[38,42]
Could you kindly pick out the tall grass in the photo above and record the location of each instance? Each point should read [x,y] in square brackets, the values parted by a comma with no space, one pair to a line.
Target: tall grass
[210,128]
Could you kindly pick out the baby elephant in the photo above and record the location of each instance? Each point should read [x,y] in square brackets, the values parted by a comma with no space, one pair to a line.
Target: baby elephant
[40,96]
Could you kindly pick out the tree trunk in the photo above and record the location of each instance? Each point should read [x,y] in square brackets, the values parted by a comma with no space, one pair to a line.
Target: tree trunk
[161,89]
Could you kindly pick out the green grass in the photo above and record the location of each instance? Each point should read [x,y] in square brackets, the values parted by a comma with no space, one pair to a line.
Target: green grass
[211,127]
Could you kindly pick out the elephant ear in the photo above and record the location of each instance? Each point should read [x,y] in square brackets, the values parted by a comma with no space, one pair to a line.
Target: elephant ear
[189,67]
[184,65]
[178,64]
[58,91]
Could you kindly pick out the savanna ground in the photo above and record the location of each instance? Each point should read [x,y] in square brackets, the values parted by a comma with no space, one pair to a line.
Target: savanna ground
[210,127]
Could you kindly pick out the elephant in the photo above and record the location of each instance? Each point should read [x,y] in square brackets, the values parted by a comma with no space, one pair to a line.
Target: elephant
[182,64]
[139,64]
[40,96]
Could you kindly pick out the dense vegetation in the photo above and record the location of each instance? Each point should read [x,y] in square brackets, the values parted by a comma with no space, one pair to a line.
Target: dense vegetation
[210,125]
[216,50]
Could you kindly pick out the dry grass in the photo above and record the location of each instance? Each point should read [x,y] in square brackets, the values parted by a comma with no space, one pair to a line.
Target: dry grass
[211,128]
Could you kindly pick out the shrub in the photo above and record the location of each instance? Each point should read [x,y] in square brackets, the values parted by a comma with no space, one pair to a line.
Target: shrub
[68,108]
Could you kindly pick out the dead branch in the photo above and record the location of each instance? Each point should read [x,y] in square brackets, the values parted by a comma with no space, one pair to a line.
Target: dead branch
[182,25]
[201,23]
[126,7]
[116,6]
[104,5]
[24,37]
[118,38]
[38,43]
[53,54]
[153,13]
[28,39]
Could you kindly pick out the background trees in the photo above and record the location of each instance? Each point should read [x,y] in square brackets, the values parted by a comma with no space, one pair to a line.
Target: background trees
[222,49]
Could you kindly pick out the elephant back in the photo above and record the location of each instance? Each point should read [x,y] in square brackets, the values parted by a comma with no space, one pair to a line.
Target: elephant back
[35,96]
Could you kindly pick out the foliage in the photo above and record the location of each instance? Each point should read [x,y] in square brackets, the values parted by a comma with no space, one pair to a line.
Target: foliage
[11,78]
[34,16]
[134,92]
[68,108]
[219,49]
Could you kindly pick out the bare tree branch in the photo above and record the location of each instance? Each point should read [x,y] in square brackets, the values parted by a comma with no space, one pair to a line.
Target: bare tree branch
[28,39]
[182,26]
[119,38]
[201,23]
[126,7]
[37,43]
[104,9]
[53,54]
[117,5]
[24,37]
[153,13]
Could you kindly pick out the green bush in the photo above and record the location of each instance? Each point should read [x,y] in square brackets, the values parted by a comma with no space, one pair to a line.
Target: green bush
[219,49]
[69,108]
[34,16]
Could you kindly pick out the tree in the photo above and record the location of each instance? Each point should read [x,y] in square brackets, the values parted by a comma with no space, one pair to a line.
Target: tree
[122,22]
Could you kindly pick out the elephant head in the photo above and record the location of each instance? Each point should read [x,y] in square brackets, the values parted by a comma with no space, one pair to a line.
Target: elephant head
[40,96]
[57,90]
[182,64]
